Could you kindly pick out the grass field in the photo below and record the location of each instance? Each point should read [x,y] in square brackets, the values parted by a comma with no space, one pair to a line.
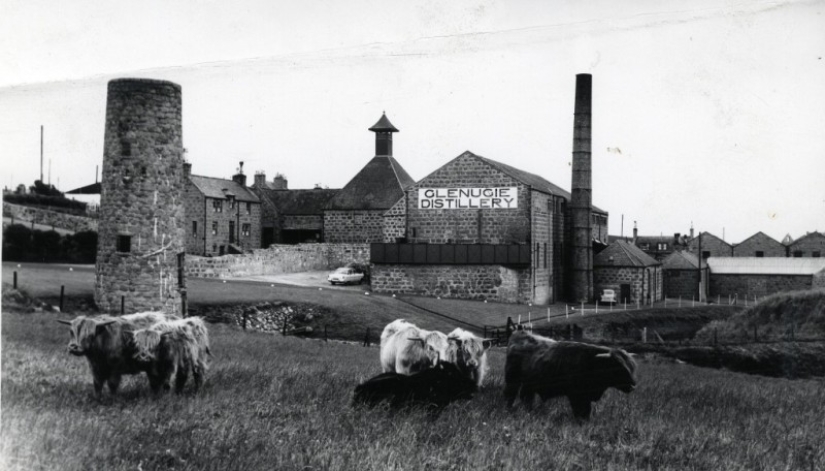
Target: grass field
[283,403]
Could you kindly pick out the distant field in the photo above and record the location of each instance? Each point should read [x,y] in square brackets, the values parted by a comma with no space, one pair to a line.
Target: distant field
[283,403]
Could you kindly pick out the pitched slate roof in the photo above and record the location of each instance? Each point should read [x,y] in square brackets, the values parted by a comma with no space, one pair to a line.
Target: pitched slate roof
[534,181]
[765,265]
[813,234]
[764,236]
[299,202]
[213,188]
[624,254]
[379,185]
[93,189]
[681,261]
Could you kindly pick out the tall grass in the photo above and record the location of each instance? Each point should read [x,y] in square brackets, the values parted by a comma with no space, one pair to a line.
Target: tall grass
[283,403]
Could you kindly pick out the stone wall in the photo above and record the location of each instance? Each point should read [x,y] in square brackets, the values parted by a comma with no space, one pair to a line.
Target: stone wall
[814,242]
[681,283]
[279,259]
[312,222]
[354,227]
[490,282]
[756,285]
[758,243]
[141,228]
[640,279]
[70,222]
[541,229]
[395,221]
[819,280]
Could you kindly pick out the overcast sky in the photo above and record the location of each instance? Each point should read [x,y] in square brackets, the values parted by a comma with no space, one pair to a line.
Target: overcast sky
[703,111]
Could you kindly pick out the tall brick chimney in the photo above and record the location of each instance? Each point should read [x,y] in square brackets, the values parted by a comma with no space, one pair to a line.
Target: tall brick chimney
[187,169]
[581,200]
[383,130]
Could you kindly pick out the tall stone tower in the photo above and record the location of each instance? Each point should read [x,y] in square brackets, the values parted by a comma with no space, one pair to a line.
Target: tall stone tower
[141,228]
[581,207]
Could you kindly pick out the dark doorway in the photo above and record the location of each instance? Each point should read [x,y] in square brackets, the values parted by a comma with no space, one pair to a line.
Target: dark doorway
[231,232]
[220,250]
[300,236]
[267,237]
[625,292]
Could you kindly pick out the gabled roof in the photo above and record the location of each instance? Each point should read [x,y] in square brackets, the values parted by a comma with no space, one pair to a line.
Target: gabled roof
[299,202]
[706,233]
[93,189]
[624,254]
[379,185]
[213,188]
[681,261]
[816,234]
[763,235]
[765,265]
[534,181]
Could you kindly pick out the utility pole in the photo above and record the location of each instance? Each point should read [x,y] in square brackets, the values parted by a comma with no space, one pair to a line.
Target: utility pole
[41,153]
[699,284]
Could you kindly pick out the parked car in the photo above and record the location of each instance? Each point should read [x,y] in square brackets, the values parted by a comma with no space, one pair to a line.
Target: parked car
[345,275]
[608,296]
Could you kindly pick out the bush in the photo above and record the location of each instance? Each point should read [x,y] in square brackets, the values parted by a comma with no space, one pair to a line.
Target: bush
[53,202]
[21,244]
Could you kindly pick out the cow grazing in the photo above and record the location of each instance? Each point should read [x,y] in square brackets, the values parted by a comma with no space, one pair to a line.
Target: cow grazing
[433,388]
[173,349]
[407,349]
[579,371]
[469,353]
[106,344]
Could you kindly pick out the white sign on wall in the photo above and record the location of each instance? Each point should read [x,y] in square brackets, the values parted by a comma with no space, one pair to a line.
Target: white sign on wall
[468,198]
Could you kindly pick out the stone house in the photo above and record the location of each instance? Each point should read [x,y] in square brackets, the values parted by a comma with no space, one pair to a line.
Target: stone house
[712,246]
[633,274]
[811,245]
[751,276]
[355,214]
[681,276]
[222,215]
[479,229]
[759,245]
[291,216]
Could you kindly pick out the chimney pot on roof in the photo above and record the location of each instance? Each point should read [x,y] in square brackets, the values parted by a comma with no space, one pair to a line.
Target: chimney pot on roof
[280,182]
[260,179]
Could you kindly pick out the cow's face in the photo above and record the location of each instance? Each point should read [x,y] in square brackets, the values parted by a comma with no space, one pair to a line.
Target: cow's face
[82,332]
[146,344]
[618,368]
[469,352]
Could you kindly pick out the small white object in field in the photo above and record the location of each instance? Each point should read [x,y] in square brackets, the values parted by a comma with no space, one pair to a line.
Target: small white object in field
[18,265]
[71,269]
[393,295]
[366,293]
[224,281]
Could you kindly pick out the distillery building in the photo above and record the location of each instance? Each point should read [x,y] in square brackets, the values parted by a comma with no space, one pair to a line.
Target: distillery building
[477,228]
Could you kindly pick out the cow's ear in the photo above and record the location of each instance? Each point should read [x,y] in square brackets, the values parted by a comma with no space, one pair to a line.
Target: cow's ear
[64,321]
[486,344]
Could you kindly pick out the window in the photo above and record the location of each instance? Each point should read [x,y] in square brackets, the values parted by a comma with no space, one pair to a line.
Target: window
[644,246]
[662,247]
[232,203]
[194,228]
[816,254]
[214,227]
[217,206]
[248,208]
[760,253]
[797,254]
[705,254]
[245,229]
[124,243]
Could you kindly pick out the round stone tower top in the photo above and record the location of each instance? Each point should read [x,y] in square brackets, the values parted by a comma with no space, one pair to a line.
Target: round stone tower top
[135,84]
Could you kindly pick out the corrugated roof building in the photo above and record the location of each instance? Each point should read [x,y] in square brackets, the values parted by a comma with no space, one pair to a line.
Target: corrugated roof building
[751,276]
[634,275]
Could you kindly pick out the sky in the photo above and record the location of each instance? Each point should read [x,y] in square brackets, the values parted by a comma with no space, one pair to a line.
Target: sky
[704,112]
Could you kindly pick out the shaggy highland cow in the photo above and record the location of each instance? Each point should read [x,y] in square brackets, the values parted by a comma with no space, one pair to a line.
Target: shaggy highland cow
[172,350]
[407,349]
[579,371]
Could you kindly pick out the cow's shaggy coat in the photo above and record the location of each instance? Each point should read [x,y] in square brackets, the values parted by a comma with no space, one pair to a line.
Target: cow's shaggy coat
[106,343]
[433,388]
[173,349]
[579,371]
[407,349]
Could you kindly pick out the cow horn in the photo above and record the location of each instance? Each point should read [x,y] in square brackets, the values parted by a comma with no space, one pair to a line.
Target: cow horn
[454,339]
[603,355]
[63,321]
[105,323]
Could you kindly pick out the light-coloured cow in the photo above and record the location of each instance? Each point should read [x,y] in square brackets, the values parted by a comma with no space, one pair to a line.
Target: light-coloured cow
[469,353]
[406,349]
[106,343]
[173,349]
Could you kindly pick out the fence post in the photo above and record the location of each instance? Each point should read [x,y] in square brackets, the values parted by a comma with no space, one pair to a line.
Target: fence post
[62,290]
[644,335]
[283,332]
[485,331]
[122,305]
[326,339]
[15,279]
[244,316]
[367,338]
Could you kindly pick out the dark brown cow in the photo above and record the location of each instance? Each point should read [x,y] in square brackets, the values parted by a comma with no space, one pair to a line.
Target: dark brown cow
[106,343]
[174,349]
[579,371]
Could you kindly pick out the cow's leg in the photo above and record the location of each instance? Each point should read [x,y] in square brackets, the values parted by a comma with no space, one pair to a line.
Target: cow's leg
[526,396]
[98,384]
[180,379]
[510,393]
[198,374]
[581,407]
[114,383]
[155,382]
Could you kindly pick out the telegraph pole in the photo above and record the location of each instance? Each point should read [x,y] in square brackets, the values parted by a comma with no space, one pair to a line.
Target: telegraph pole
[41,153]
[699,284]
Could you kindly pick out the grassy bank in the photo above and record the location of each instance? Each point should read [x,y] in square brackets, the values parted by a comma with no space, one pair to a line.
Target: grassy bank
[283,403]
